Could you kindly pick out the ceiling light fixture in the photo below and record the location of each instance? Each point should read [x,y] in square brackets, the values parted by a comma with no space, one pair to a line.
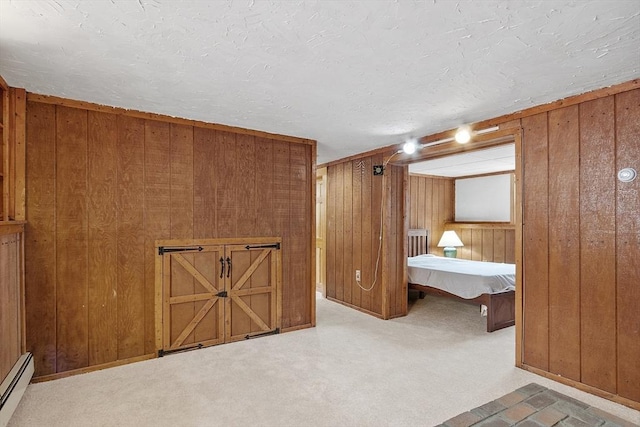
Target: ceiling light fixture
[410,146]
[463,135]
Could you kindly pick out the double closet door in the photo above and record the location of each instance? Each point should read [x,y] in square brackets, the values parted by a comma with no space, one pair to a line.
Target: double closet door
[214,291]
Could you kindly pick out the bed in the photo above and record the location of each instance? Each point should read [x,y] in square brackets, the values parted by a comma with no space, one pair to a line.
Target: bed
[486,284]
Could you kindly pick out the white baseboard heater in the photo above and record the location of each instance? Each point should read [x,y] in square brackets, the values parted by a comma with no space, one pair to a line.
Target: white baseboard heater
[14,386]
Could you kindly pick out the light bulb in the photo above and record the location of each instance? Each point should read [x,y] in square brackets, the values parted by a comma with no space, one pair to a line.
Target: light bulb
[410,146]
[463,135]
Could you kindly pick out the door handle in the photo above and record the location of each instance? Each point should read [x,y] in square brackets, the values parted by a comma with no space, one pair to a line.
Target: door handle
[221,267]
[228,267]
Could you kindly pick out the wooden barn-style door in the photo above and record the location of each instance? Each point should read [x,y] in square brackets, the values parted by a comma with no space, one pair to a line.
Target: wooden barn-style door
[213,291]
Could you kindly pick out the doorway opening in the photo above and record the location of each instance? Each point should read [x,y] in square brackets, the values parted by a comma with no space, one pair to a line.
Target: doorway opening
[461,177]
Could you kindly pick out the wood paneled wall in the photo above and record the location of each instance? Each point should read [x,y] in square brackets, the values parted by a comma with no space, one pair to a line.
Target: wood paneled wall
[486,241]
[11,309]
[102,187]
[354,209]
[581,245]
[431,204]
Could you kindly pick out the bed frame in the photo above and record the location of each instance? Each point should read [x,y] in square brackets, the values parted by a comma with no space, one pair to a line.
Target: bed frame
[500,307]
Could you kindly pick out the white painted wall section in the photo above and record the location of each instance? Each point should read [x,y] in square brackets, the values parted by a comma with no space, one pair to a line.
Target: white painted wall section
[486,198]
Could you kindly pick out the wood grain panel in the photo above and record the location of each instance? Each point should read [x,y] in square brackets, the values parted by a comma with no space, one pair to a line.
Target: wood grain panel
[205,151]
[264,186]
[300,225]
[181,227]
[40,243]
[535,236]
[147,180]
[376,203]
[71,239]
[131,244]
[356,258]
[332,238]
[103,237]
[182,181]
[340,236]
[157,203]
[10,301]
[564,243]
[510,246]
[227,202]
[246,209]
[628,246]
[490,242]
[597,244]
[348,272]
[369,233]
[430,206]
[282,217]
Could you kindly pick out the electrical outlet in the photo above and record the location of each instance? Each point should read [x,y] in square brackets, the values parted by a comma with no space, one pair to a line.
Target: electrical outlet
[358,275]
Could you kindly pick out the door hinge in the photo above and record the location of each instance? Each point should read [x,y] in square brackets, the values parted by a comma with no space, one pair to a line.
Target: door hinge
[222,294]
[274,332]
[162,250]
[178,350]
[273,246]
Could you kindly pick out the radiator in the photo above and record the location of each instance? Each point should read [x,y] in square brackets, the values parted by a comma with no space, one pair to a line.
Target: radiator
[14,386]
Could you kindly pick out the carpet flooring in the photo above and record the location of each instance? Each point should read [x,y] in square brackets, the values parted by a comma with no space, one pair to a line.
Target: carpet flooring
[350,370]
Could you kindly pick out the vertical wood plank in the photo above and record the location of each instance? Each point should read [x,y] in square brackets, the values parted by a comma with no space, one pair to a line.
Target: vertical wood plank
[20,101]
[597,244]
[300,230]
[103,237]
[487,245]
[476,244]
[227,197]
[510,247]
[71,239]
[347,207]
[628,246]
[182,182]
[264,187]
[157,203]
[535,241]
[40,235]
[498,246]
[331,232]
[181,216]
[368,234]
[376,204]
[357,174]
[281,213]
[564,243]
[205,178]
[246,209]
[340,237]
[131,238]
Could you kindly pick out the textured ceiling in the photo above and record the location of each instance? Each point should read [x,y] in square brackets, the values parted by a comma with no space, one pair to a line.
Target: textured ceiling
[353,75]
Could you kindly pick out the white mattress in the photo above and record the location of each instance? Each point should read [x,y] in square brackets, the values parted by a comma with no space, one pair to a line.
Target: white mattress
[464,278]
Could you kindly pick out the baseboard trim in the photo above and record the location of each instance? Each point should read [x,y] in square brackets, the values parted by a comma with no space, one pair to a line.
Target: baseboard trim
[297,328]
[355,307]
[14,386]
[93,368]
[583,387]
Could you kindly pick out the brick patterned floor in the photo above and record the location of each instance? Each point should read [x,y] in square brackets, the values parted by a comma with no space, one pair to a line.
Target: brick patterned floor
[536,406]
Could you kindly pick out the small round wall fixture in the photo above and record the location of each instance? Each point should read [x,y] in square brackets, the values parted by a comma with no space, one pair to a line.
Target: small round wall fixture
[463,135]
[627,174]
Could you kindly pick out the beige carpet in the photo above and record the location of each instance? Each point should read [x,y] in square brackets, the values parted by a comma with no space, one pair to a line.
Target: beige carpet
[351,370]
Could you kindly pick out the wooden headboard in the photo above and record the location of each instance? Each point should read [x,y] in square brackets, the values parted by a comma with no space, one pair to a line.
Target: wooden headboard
[418,242]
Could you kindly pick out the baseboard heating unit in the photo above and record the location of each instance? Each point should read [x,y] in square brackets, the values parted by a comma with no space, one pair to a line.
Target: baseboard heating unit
[14,386]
